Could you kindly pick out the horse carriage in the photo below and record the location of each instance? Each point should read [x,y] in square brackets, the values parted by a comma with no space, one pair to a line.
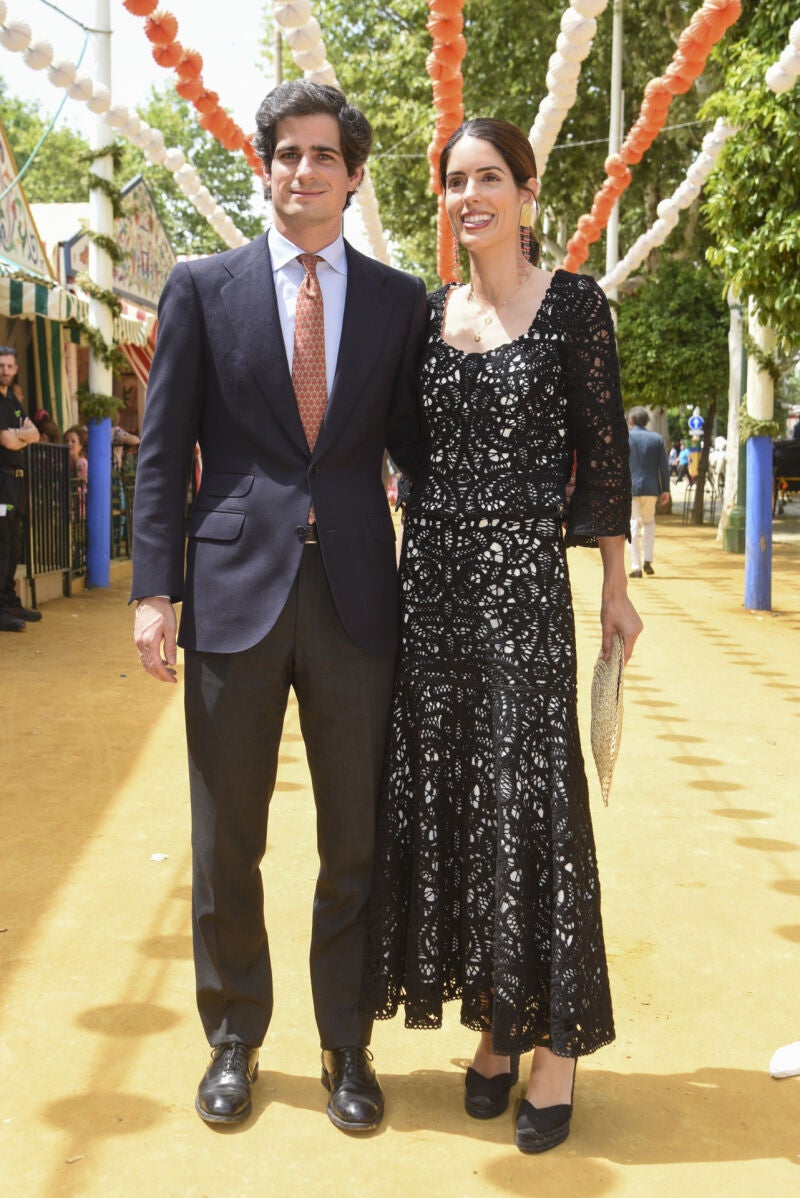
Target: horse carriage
[785,473]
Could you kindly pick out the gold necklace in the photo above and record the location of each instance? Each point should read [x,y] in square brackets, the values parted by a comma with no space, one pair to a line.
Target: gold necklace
[488,317]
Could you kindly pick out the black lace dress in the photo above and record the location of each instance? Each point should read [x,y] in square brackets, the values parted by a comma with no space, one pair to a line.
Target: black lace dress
[486,884]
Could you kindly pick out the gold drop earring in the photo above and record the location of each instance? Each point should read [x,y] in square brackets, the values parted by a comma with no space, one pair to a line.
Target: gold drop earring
[525,220]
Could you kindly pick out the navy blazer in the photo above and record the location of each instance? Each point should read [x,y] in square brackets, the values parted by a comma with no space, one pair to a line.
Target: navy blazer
[220,377]
[648,462]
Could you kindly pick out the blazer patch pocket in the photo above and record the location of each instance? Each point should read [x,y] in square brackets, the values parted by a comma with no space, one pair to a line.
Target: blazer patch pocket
[227,486]
[382,528]
[216,525]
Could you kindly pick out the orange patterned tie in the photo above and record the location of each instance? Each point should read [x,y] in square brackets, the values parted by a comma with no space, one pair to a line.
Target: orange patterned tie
[308,361]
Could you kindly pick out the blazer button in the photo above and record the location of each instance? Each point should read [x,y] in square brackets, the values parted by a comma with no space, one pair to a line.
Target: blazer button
[301,532]
[314,469]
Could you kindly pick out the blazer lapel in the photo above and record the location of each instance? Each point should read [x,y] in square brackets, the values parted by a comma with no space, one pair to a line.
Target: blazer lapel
[252,307]
[366,314]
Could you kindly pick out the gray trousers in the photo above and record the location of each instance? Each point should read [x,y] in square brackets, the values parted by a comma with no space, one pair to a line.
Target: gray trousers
[235,705]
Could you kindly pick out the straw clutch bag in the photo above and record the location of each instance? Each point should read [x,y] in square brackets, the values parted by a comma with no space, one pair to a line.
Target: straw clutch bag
[607,713]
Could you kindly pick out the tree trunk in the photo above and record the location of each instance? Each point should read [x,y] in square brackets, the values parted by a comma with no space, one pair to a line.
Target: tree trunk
[702,468]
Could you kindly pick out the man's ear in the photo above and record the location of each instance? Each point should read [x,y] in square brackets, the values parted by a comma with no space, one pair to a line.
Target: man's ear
[355,179]
[267,177]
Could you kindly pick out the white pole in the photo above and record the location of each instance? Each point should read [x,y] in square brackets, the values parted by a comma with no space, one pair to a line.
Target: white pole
[101,213]
[101,271]
[614,138]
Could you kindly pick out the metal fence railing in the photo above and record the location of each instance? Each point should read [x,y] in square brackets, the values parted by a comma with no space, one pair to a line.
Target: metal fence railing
[56,522]
[47,543]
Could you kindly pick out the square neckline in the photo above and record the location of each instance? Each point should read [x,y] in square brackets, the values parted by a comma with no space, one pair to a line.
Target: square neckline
[483,353]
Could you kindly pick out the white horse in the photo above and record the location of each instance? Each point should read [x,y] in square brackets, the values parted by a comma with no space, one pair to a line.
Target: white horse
[716,465]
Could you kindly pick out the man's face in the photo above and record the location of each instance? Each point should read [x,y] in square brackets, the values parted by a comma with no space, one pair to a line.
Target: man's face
[309,179]
[8,368]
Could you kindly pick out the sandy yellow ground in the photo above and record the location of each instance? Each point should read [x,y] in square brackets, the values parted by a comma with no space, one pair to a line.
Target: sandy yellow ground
[101,1048]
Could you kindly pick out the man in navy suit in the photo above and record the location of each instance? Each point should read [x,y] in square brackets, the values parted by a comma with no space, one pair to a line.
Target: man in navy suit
[289,579]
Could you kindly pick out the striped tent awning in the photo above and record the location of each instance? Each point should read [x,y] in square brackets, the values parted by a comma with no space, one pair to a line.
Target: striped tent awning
[26,299]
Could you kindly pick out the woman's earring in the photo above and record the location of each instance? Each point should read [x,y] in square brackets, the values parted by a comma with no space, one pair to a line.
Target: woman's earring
[456,260]
[525,217]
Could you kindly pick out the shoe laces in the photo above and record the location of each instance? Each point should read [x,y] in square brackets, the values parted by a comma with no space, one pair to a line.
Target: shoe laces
[356,1060]
[235,1056]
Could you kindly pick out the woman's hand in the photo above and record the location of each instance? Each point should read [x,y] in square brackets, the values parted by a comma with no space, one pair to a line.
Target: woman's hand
[617,613]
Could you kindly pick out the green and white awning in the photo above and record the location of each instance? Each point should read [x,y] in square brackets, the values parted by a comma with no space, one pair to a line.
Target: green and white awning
[26,298]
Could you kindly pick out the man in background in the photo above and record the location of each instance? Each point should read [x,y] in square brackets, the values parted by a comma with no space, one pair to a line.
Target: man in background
[17,432]
[649,482]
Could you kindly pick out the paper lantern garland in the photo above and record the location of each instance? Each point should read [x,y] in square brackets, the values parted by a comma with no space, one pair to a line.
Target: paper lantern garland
[62,73]
[304,38]
[707,26]
[668,210]
[443,64]
[783,74]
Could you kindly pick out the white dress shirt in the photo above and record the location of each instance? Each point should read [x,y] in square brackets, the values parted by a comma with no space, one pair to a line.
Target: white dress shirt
[288,274]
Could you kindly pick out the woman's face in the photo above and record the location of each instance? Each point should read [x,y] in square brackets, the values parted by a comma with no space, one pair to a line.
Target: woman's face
[482,198]
[74,442]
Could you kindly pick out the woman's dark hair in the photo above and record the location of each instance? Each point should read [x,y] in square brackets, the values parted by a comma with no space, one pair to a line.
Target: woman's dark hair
[511,144]
[301,97]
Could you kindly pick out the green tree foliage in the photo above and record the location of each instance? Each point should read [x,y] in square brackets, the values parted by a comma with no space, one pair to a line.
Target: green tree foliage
[58,173]
[752,209]
[673,348]
[379,52]
[673,339]
[227,176]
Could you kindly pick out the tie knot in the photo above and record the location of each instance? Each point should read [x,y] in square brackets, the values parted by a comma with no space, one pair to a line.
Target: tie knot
[309,263]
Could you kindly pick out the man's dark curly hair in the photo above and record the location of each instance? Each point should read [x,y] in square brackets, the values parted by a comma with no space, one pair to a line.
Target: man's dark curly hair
[301,97]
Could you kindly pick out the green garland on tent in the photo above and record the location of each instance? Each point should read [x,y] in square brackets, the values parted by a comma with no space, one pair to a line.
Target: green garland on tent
[110,355]
[106,186]
[115,252]
[93,405]
[765,361]
[749,426]
[99,293]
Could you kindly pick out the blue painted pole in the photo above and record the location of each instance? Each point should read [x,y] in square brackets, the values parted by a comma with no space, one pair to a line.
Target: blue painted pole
[758,526]
[98,505]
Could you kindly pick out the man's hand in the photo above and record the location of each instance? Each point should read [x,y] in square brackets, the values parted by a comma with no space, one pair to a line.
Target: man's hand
[28,432]
[156,625]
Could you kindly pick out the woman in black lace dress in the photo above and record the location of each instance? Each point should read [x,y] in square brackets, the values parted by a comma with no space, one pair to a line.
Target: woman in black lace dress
[486,885]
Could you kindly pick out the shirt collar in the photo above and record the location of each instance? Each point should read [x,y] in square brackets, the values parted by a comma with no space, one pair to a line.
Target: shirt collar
[283,251]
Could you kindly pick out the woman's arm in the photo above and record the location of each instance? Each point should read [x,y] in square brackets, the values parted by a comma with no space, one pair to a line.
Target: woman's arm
[617,613]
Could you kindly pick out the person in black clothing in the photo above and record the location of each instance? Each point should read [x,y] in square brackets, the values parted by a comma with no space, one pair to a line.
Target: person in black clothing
[17,432]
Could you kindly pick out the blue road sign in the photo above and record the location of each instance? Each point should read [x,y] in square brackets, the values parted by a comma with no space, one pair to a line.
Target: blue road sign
[695,424]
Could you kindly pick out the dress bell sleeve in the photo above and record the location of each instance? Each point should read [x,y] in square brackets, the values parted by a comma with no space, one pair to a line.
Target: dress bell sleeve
[601,503]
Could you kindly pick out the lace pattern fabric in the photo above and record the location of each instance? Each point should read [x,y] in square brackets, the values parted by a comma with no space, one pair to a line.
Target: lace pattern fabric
[486,886]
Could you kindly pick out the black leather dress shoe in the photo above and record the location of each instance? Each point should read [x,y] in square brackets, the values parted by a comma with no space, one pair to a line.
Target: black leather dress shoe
[356,1101]
[28,614]
[9,623]
[223,1095]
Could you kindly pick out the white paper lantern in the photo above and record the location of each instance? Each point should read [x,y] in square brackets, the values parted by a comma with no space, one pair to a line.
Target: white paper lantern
[38,56]
[174,159]
[3,12]
[777,79]
[794,35]
[15,36]
[132,127]
[667,209]
[292,16]
[790,60]
[572,51]
[324,74]
[62,73]
[100,100]
[562,69]
[156,143]
[204,202]
[310,60]
[307,37]
[81,89]
[118,115]
[577,28]
[590,8]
